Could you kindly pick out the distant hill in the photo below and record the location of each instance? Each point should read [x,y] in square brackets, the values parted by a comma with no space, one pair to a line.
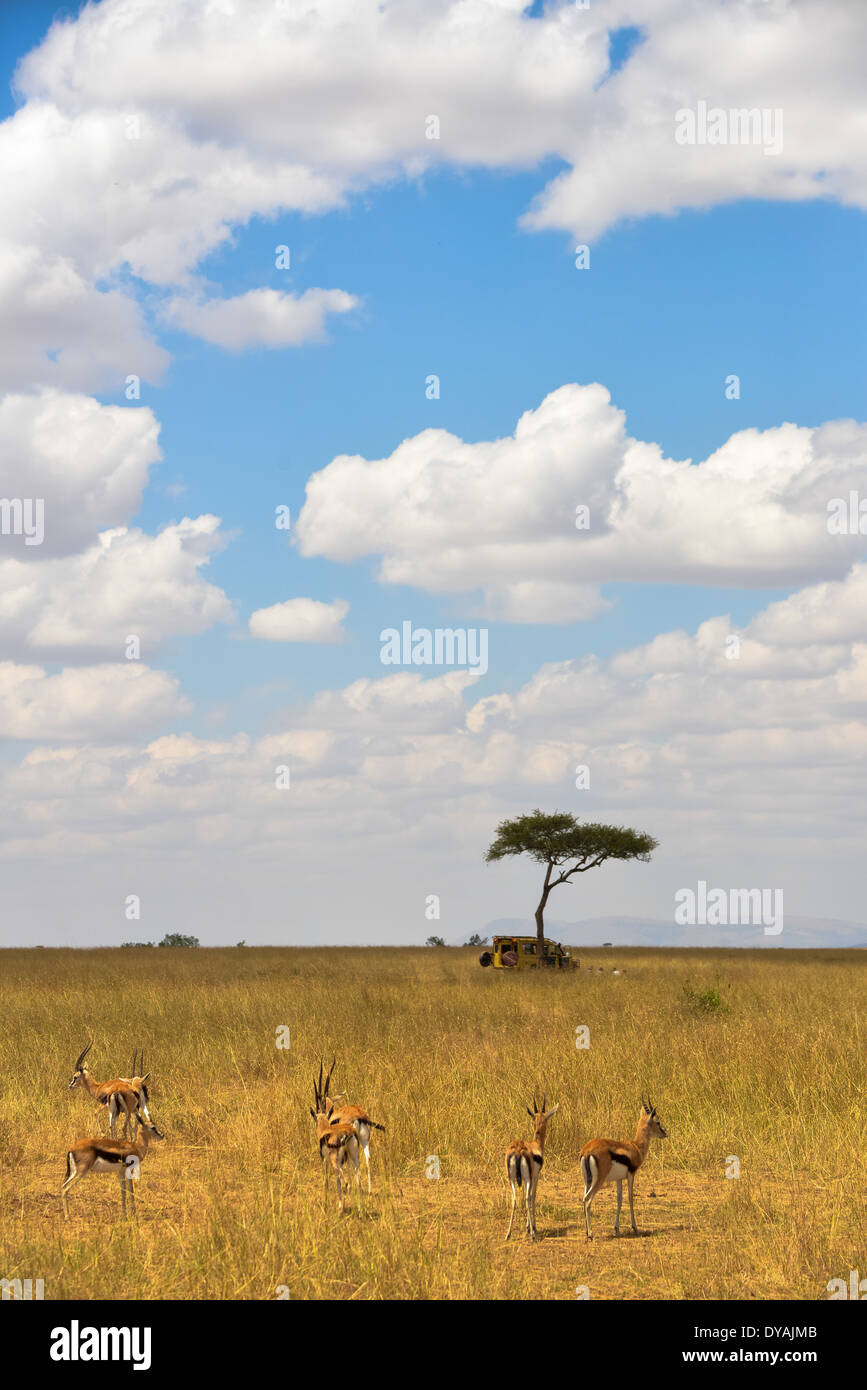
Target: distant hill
[799,933]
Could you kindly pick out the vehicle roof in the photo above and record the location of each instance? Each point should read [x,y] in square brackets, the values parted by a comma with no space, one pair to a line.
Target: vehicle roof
[512,936]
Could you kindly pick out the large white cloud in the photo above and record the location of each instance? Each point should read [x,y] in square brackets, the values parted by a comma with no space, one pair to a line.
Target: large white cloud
[501,515]
[93,581]
[104,702]
[89,463]
[165,200]
[834,612]
[748,56]
[59,329]
[266,79]
[127,584]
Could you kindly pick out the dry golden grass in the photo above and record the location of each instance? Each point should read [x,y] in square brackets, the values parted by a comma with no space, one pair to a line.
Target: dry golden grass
[446,1055]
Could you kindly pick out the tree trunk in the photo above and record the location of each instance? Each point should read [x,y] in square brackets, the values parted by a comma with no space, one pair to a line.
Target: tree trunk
[540,918]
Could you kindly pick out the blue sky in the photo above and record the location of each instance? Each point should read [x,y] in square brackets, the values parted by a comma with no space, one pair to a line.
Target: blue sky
[451,284]
[667,309]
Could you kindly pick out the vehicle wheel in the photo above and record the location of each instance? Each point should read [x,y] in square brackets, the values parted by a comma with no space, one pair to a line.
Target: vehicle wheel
[485,958]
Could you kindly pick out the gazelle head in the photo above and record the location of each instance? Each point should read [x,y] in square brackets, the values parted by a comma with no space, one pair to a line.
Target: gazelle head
[539,1115]
[148,1126]
[80,1071]
[138,1078]
[651,1120]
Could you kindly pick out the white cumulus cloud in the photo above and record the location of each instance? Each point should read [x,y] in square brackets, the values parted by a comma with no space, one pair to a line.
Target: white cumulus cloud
[92,702]
[260,318]
[300,620]
[450,517]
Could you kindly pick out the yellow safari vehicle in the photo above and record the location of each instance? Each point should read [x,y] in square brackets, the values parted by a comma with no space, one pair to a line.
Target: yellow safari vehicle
[519,953]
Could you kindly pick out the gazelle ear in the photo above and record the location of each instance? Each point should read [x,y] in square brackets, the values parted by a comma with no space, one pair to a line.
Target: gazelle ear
[529,1112]
[313,1114]
[146,1075]
[553,1111]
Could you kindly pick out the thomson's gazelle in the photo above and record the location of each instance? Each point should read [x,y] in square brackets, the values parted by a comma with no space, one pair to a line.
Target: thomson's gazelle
[336,1141]
[119,1156]
[524,1164]
[137,1082]
[612,1160]
[120,1097]
[349,1114]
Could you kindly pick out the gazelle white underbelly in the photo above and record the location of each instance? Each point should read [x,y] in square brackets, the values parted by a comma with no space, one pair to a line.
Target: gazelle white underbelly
[617,1172]
[105,1165]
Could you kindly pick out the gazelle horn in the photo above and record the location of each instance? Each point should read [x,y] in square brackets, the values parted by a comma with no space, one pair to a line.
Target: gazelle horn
[328,1077]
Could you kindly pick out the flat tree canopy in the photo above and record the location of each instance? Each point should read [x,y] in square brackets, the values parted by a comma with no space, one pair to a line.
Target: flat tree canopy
[556,839]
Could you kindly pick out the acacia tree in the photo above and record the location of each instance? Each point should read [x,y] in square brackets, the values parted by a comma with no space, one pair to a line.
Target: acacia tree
[556,839]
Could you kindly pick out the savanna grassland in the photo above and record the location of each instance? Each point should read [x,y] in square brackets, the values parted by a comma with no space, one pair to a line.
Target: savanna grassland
[757,1055]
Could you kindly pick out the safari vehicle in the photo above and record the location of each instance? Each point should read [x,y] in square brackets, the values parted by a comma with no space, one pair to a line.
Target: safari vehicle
[519,953]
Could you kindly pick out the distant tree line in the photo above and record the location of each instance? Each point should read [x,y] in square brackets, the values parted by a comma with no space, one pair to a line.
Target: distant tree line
[474,940]
[172,938]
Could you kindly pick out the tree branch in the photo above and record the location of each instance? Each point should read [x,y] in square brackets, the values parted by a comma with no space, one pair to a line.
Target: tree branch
[580,868]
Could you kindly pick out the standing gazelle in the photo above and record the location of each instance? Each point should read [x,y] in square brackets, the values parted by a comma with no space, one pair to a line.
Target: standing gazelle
[612,1160]
[349,1114]
[119,1156]
[336,1141]
[118,1096]
[524,1164]
[137,1082]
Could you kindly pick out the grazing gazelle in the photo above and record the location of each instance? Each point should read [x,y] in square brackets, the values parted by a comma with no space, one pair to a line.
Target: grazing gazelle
[349,1114]
[119,1096]
[612,1160]
[336,1141]
[120,1156]
[524,1164]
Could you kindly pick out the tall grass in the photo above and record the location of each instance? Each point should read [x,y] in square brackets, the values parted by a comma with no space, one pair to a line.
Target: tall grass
[446,1055]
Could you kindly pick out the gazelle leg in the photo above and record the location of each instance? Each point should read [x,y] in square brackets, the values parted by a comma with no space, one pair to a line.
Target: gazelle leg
[340,1201]
[514,1204]
[367,1161]
[356,1159]
[588,1200]
[527,1208]
[68,1181]
[131,1181]
[533,1182]
[630,1180]
[590,1170]
[619,1204]
[589,1194]
[123,1191]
